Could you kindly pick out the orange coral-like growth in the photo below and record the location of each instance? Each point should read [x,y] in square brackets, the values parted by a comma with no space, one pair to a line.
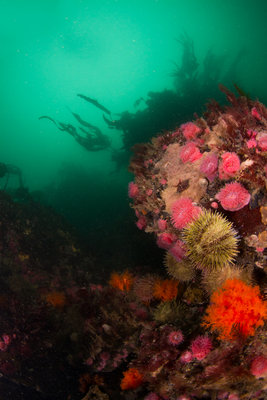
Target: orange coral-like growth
[56,299]
[122,281]
[236,308]
[166,290]
[132,378]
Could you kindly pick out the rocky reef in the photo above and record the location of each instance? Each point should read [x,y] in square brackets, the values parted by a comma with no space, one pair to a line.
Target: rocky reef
[205,182]
[201,191]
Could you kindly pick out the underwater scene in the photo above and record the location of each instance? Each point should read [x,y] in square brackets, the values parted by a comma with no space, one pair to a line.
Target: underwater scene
[133,202]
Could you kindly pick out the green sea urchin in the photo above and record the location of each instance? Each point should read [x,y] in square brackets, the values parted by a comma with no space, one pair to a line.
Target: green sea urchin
[169,312]
[211,241]
[180,270]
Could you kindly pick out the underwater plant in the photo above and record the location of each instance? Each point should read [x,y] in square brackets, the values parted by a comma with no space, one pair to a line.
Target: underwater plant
[194,84]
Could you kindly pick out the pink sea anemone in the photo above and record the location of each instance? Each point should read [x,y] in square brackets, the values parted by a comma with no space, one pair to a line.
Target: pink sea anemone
[184,397]
[152,396]
[186,357]
[141,223]
[233,196]
[259,366]
[132,190]
[190,130]
[178,250]
[162,224]
[209,166]
[252,134]
[165,240]
[255,113]
[233,396]
[175,337]
[190,152]
[251,143]
[262,140]
[214,204]
[183,212]
[229,165]
[201,346]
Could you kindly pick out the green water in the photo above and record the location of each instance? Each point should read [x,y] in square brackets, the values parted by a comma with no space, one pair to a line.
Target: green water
[115,52]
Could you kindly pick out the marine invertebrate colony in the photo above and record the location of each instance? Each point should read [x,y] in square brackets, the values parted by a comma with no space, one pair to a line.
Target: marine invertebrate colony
[132,379]
[232,314]
[122,281]
[208,169]
[201,190]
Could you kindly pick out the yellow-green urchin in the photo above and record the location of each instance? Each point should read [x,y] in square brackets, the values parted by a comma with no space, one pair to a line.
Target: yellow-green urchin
[213,280]
[180,270]
[194,295]
[169,312]
[211,241]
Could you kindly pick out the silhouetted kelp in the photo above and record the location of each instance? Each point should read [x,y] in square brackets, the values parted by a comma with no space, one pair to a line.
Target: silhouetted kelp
[95,103]
[93,139]
[195,84]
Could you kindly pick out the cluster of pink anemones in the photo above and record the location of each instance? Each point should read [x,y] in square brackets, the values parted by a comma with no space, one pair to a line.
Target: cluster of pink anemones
[233,196]
[190,152]
[229,165]
[209,166]
[190,130]
[183,212]
[201,346]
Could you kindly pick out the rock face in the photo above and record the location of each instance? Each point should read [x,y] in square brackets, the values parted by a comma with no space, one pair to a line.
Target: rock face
[219,162]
